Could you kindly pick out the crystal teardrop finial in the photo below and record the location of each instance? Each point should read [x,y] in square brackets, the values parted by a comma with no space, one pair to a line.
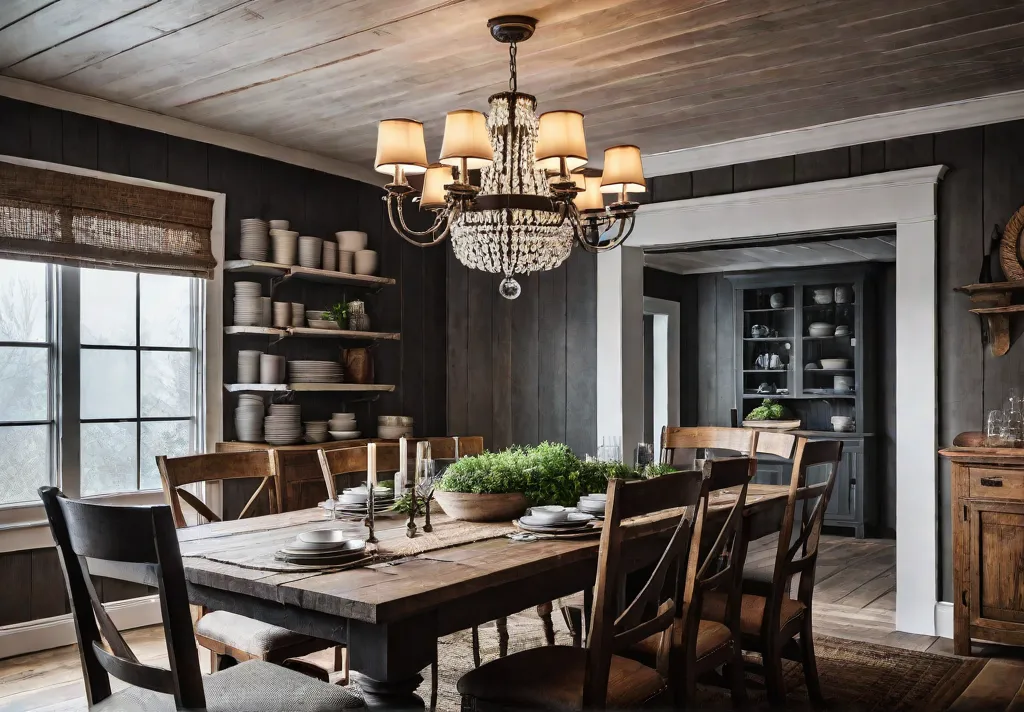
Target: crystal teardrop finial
[509,288]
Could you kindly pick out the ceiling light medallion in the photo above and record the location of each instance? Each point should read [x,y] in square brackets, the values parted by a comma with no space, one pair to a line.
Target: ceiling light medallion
[532,202]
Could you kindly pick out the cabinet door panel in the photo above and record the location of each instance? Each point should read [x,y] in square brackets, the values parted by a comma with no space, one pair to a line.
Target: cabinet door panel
[997,563]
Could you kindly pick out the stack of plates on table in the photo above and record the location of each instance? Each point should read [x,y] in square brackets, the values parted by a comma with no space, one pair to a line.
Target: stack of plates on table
[353,500]
[284,424]
[323,546]
[316,431]
[255,240]
[593,504]
[248,304]
[392,427]
[248,367]
[310,249]
[555,520]
[314,372]
[249,418]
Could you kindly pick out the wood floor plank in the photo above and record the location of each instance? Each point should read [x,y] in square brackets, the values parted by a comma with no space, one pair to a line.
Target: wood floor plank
[993,689]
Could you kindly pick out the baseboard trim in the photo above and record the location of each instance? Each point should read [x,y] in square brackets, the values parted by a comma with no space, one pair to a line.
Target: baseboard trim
[46,633]
[944,619]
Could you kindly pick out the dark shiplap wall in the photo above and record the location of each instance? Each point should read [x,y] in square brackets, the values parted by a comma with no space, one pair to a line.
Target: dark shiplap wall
[317,204]
[985,186]
[524,371]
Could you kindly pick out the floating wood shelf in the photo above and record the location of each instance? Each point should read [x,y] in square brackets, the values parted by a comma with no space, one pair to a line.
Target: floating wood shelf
[308,387]
[306,273]
[996,307]
[305,332]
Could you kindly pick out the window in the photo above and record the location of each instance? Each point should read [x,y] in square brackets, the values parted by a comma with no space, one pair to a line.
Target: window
[129,344]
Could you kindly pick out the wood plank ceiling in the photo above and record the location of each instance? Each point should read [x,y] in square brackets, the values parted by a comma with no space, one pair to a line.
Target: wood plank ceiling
[808,254]
[664,74]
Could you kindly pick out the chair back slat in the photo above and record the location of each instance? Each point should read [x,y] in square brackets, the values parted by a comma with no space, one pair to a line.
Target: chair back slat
[773,442]
[450,447]
[738,440]
[652,610]
[131,537]
[800,534]
[178,472]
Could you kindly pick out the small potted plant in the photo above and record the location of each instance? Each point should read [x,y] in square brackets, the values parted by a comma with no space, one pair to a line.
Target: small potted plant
[338,313]
[770,414]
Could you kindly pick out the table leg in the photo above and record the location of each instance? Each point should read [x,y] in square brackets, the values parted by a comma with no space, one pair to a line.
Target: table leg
[385,661]
[544,612]
[502,625]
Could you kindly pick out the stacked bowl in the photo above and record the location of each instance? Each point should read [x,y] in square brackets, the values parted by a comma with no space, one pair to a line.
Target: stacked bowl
[593,504]
[351,240]
[248,367]
[366,262]
[282,314]
[392,427]
[249,418]
[248,304]
[255,240]
[271,368]
[284,424]
[342,426]
[314,372]
[284,243]
[316,431]
[330,259]
[298,314]
[310,249]
[280,225]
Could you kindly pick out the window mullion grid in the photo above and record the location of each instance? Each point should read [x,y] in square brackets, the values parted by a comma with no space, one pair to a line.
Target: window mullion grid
[68,312]
[138,382]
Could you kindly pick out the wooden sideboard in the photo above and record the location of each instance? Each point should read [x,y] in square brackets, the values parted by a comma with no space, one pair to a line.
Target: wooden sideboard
[988,545]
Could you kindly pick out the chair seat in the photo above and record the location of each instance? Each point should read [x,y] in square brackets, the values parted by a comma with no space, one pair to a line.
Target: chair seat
[712,636]
[252,686]
[251,636]
[751,611]
[551,677]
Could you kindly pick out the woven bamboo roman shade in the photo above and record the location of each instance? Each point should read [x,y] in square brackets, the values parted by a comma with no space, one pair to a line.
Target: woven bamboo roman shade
[79,220]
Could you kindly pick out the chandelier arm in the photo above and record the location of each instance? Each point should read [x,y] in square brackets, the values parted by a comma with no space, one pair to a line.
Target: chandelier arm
[410,235]
[617,240]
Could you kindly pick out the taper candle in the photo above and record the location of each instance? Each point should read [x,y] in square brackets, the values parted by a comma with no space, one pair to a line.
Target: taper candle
[371,465]
[402,478]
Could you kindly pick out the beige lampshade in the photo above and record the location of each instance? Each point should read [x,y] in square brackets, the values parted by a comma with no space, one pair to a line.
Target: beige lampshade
[561,136]
[591,198]
[434,181]
[623,169]
[465,136]
[400,144]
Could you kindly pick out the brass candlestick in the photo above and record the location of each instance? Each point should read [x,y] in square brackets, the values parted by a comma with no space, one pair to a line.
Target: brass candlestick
[371,538]
[426,515]
[410,527]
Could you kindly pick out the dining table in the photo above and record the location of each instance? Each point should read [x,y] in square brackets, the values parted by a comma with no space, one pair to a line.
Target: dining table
[391,611]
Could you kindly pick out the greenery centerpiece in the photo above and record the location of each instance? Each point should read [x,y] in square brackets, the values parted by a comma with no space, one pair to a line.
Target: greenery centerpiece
[770,414]
[494,483]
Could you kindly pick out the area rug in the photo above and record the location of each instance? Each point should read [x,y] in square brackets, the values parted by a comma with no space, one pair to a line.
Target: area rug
[859,677]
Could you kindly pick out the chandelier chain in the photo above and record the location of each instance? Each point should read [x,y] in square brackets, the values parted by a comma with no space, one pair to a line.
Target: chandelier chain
[513,84]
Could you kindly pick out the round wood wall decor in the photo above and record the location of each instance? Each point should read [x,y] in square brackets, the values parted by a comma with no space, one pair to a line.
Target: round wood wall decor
[1010,257]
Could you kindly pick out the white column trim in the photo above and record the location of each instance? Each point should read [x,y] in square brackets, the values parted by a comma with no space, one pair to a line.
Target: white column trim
[906,199]
[670,309]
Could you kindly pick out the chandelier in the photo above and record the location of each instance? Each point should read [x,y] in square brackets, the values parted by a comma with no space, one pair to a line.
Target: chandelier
[532,201]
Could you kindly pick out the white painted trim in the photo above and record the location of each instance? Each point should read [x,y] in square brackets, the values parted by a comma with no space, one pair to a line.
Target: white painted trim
[102,109]
[669,309]
[904,198]
[944,619]
[46,633]
[837,134]
[25,527]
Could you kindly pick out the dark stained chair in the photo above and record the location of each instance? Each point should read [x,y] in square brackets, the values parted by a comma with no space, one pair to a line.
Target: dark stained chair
[229,636]
[701,648]
[141,543]
[770,618]
[558,677]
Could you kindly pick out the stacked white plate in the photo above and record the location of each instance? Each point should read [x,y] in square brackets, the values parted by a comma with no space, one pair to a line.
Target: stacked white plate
[284,244]
[255,239]
[355,500]
[546,520]
[392,427]
[249,418]
[593,504]
[284,424]
[248,367]
[248,304]
[314,372]
[316,431]
[323,547]
[310,249]
[342,426]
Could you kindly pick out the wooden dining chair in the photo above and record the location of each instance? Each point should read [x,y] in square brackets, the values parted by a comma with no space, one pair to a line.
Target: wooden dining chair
[741,441]
[231,637]
[561,677]
[346,467]
[770,618]
[141,544]
[449,447]
[700,647]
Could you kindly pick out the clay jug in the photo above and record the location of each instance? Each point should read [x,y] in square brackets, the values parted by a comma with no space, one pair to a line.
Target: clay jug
[358,365]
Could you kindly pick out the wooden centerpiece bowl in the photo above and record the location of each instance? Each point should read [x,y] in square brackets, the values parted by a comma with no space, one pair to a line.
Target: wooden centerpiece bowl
[471,507]
[788,424]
